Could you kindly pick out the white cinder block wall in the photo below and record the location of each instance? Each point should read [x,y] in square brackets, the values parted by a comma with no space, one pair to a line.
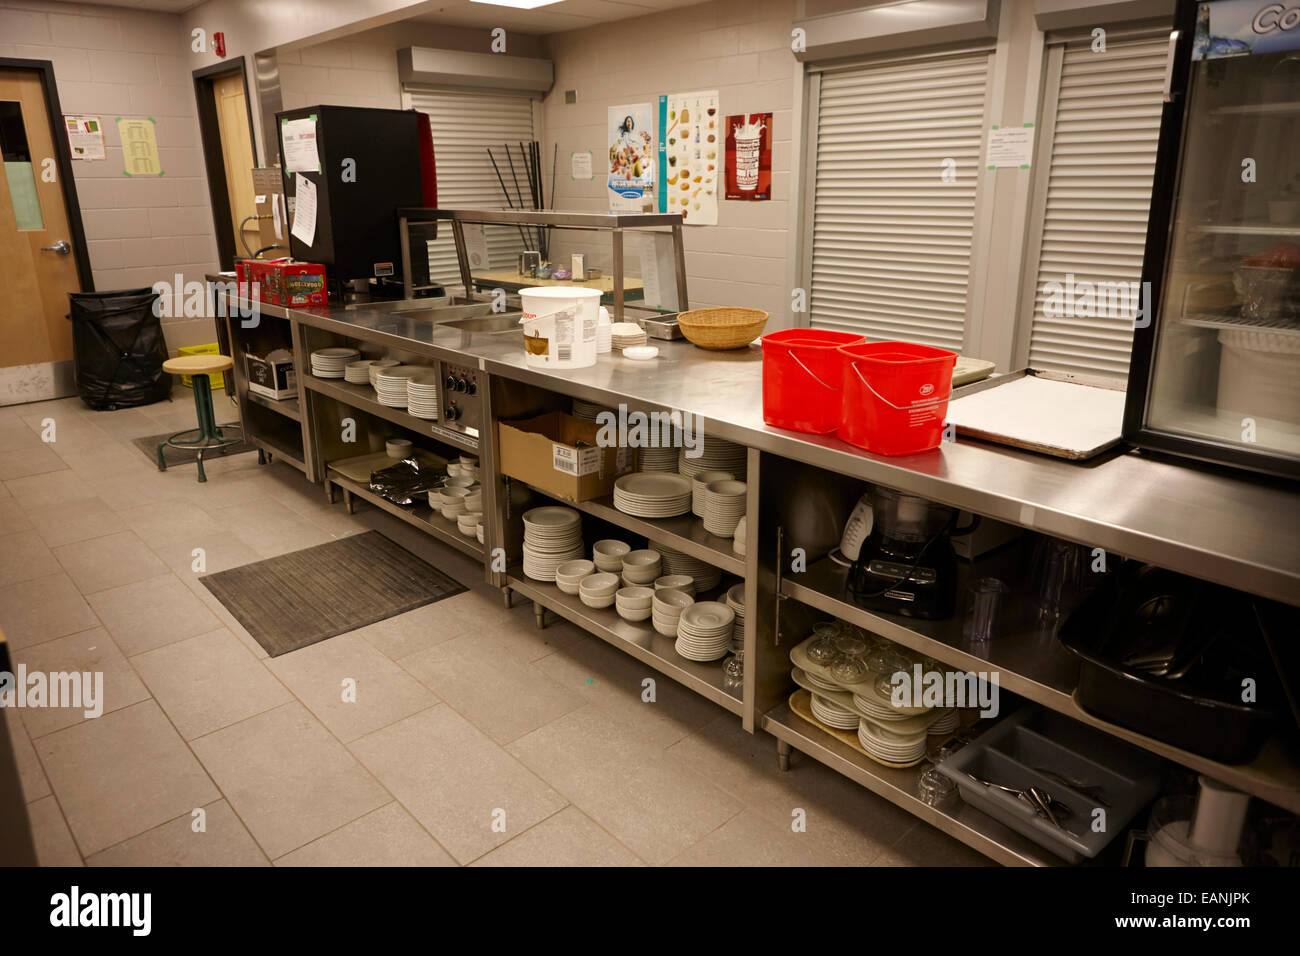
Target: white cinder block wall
[115,61]
[740,48]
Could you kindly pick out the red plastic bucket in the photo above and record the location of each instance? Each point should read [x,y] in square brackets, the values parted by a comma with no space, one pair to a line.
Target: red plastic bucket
[803,373]
[895,396]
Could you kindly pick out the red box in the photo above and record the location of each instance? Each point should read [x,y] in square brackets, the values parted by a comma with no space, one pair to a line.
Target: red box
[288,283]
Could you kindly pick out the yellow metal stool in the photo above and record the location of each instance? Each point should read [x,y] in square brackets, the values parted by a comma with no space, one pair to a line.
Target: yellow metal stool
[207,435]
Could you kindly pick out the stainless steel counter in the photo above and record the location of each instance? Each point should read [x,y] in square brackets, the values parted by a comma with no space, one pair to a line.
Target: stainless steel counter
[1237,531]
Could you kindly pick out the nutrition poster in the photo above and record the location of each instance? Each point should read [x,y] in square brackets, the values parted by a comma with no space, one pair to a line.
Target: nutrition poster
[85,137]
[631,158]
[691,147]
[749,156]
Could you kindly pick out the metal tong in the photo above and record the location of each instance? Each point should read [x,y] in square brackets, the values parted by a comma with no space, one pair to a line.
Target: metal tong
[1037,799]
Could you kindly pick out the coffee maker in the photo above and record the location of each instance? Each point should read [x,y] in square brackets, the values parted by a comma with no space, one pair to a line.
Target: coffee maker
[907,564]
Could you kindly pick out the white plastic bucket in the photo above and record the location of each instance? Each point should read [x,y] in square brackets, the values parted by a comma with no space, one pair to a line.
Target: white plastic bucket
[560,326]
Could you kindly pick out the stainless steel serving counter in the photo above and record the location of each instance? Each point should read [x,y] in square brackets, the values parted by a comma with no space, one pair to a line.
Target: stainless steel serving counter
[1237,531]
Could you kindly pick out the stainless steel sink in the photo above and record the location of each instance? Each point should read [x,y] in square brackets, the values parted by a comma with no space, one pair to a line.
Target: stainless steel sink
[501,324]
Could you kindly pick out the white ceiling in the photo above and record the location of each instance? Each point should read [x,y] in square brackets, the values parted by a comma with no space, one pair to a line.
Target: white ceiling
[553,18]
[161,6]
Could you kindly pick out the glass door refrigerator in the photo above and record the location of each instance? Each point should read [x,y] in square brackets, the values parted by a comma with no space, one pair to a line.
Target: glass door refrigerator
[1215,373]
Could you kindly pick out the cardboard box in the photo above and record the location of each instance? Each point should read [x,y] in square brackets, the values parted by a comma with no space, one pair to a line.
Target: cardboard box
[271,375]
[557,453]
[288,283]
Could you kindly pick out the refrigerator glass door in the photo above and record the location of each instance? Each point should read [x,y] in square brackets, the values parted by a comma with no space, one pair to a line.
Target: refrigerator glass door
[1226,365]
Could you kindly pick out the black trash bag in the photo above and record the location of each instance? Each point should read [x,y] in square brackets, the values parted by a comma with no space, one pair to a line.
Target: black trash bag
[118,348]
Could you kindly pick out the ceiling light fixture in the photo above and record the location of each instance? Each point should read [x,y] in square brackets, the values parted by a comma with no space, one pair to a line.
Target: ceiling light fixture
[517,4]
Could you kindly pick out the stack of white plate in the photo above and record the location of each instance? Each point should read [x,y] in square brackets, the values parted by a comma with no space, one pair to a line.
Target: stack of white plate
[358,372]
[552,536]
[608,555]
[657,459]
[390,383]
[704,631]
[598,590]
[569,575]
[880,711]
[713,454]
[724,506]
[667,606]
[587,410]
[736,601]
[675,582]
[652,494]
[332,363]
[378,366]
[422,395]
[705,575]
[946,724]
[833,715]
[634,603]
[642,567]
[891,748]
[624,334]
[699,482]
[820,683]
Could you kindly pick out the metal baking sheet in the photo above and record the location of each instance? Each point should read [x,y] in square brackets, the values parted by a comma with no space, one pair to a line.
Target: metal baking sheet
[1069,416]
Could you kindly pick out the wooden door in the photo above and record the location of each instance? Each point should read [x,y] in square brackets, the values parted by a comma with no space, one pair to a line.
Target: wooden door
[237,156]
[36,254]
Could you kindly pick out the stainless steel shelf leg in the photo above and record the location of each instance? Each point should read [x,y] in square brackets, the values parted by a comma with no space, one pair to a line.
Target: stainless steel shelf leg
[507,597]
[349,502]
[329,492]
[783,755]
[539,614]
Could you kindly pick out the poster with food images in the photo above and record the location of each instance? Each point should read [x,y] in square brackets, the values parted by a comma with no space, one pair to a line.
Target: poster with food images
[749,156]
[692,147]
[631,158]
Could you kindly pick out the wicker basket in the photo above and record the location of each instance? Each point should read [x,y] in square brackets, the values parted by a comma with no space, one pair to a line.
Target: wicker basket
[728,328]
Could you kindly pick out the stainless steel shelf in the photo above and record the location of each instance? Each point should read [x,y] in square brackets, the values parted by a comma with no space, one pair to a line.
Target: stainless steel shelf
[959,820]
[273,445]
[287,407]
[1249,229]
[640,640]
[363,397]
[420,516]
[1032,663]
[543,217]
[685,532]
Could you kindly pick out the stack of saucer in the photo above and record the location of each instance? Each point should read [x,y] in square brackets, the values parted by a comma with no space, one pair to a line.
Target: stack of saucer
[736,601]
[552,536]
[946,723]
[625,334]
[657,459]
[699,482]
[587,410]
[390,383]
[332,363]
[668,606]
[608,555]
[704,631]
[832,714]
[890,747]
[724,506]
[713,454]
[422,395]
[358,372]
[378,366]
[738,539]
[705,575]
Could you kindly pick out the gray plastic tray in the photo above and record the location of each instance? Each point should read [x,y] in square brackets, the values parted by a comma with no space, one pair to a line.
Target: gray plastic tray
[1016,750]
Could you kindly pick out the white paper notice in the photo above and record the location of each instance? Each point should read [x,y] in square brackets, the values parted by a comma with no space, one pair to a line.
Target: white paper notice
[304,212]
[299,139]
[476,247]
[1010,146]
[580,165]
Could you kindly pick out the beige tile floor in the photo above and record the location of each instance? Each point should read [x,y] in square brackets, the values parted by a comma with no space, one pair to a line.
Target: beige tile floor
[474,739]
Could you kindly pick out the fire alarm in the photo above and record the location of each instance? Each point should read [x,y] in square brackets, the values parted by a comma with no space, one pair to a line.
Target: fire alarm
[219,43]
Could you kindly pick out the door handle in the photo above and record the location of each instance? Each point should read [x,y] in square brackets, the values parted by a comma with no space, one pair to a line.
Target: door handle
[60,248]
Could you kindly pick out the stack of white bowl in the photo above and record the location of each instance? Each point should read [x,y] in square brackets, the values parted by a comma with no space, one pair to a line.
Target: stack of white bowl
[832,714]
[569,575]
[468,467]
[704,631]
[676,582]
[738,539]
[634,603]
[332,362]
[608,555]
[468,523]
[422,395]
[724,506]
[552,536]
[891,747]
[713,454]
[705,575]
[699,482]
[358,372]
[667,609]
[625,334]
[641,567]
[657,459]
[736,601]
[377,366]
[451,501]
[598,590]
[390,383]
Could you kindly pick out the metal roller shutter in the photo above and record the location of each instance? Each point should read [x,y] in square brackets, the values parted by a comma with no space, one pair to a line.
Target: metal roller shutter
[891,240]
[1093,212]
[464,126]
